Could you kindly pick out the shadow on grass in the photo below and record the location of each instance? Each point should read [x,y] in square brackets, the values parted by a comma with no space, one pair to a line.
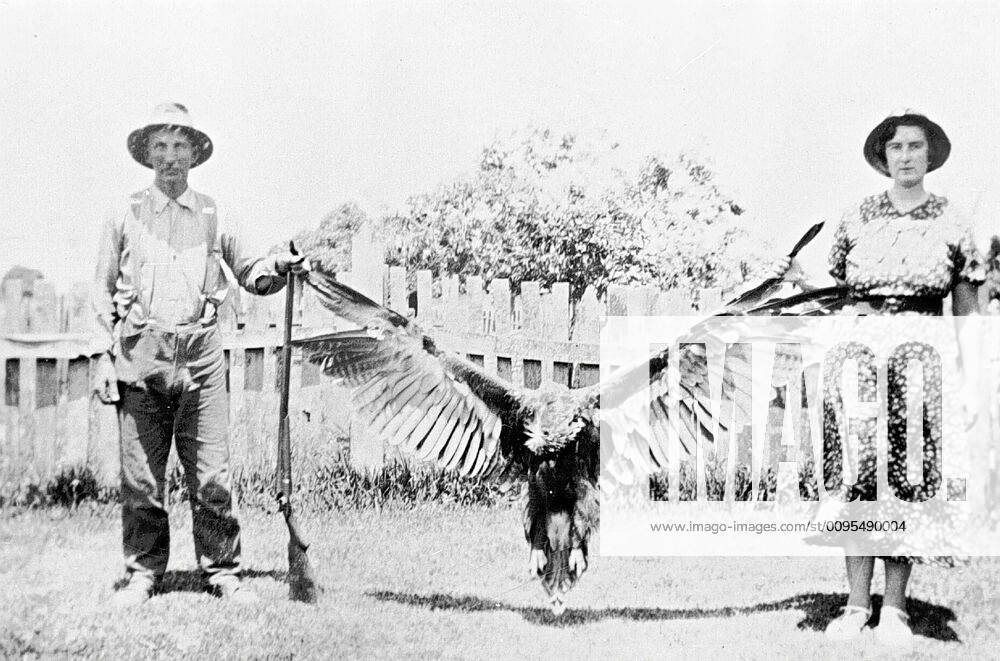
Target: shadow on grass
[928,620]
[190,580]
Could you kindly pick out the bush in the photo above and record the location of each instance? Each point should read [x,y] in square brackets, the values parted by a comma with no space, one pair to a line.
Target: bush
[70,488]
[332,486]
[340,486]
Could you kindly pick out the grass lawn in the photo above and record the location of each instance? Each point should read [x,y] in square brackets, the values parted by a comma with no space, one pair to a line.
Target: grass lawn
[444,582]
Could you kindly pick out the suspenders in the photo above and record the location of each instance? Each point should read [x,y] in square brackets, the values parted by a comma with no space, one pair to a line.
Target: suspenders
[215,264]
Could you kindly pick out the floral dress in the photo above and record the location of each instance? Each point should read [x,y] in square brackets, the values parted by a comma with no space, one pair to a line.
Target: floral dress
[879,251]
[892,257]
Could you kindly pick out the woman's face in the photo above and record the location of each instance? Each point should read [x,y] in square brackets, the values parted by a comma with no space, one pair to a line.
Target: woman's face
[907,155]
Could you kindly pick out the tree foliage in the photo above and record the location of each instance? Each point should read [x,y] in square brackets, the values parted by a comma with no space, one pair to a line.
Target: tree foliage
[554,208]
[329,245]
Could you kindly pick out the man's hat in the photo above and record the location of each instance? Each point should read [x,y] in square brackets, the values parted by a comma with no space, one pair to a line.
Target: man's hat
[938,142]
[174,116]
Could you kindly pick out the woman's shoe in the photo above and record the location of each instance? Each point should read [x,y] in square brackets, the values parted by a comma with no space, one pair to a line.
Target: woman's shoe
[850,624]
[894,628]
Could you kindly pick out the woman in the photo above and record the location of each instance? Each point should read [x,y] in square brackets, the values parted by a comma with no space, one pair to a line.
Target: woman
[899,252]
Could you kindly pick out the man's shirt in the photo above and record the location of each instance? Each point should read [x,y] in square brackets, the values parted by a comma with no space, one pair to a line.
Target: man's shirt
[164,263]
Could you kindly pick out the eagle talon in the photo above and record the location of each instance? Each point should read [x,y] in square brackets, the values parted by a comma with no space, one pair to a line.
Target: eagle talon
[577,562]
[537,562]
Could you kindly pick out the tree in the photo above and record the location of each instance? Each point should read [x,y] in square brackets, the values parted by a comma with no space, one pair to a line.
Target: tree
[693,234]
[329,245]
[522,215]
[554,208]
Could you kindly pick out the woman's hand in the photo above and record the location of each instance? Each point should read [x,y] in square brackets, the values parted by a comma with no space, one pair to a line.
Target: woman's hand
[788,269]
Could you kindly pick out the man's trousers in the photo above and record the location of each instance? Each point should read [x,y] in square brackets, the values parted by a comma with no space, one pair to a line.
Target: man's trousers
[173,385]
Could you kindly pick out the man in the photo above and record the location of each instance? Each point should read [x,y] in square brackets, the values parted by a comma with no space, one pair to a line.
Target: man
[164,268]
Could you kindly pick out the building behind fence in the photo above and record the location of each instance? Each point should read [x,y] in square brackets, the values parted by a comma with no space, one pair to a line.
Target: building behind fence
[49,422]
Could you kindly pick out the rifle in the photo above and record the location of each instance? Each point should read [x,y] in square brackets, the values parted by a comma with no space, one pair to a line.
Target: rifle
[301,578]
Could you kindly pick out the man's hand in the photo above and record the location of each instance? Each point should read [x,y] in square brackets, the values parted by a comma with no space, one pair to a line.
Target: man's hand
[289,261]
[106,380]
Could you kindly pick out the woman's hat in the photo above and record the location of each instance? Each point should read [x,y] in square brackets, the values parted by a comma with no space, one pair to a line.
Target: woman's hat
[170,115]
[937,141]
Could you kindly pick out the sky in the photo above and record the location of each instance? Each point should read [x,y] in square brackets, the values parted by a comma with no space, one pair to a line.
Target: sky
[312,104]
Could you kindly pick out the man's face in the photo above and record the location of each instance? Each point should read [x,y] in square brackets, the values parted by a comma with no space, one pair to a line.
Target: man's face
[169,152]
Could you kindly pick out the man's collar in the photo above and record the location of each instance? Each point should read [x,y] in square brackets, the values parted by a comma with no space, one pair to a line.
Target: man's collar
[160,199]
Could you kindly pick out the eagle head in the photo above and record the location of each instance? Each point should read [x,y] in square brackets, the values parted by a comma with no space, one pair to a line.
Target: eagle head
[554,421]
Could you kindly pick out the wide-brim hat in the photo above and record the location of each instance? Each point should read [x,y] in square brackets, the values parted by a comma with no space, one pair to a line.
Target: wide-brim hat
[175,116]
[940,146]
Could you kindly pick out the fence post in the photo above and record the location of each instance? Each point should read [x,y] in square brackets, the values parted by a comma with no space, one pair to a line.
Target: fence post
[9,436]
[15,306]
[73,421]
[531,308]
[397,299]
[449,306]
[368,268]
[673,303]
[557,312]
[79,311]
[27,421]
[587,318]
[43,313]
[425,299]
[554,322]
[47,382]
[617,304]
[473,305]
[501,312]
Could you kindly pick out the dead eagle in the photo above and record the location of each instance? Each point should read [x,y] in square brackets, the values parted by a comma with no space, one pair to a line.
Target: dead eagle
[437,406]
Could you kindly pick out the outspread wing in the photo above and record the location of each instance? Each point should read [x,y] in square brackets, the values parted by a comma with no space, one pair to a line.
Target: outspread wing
[816,302]
[433,405]
[641,428]
[639,413]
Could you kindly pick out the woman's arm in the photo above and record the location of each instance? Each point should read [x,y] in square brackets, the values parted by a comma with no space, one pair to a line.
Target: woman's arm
[969,332]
